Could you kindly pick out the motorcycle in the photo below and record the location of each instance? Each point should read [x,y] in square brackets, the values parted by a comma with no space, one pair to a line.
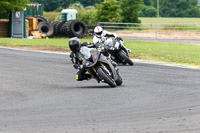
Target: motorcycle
[118,51]
[100,67]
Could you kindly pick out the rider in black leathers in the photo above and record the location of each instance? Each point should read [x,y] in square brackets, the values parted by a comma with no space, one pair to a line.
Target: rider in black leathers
[75,45]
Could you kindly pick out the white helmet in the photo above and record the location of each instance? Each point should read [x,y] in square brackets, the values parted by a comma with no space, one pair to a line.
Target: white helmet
[98,30]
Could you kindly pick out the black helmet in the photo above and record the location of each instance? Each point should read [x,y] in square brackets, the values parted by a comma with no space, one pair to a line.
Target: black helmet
[74,44]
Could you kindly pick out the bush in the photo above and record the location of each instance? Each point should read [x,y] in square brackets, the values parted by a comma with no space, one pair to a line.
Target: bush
[88,16]
[77,6]
[51,16]
[109,11]
[130,10]
[148,11]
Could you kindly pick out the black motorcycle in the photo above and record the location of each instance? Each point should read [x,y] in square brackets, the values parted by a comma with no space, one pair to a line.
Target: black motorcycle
[118,51]
[100,67]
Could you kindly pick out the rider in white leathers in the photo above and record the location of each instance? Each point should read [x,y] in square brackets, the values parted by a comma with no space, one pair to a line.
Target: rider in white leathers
[100,36]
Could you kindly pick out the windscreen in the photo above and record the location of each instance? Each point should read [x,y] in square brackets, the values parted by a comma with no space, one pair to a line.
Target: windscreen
[85,52]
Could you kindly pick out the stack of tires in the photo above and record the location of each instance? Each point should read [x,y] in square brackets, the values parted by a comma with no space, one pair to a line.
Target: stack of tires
[71,28]
[74,28]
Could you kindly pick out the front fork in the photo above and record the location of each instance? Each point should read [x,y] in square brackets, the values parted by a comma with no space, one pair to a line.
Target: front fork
[104,68]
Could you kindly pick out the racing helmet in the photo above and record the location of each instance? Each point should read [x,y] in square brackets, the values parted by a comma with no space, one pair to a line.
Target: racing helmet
[74,44]
[98,30]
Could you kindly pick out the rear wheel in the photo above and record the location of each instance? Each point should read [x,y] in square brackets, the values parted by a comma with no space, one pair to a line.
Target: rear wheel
[126,58]
[106,77]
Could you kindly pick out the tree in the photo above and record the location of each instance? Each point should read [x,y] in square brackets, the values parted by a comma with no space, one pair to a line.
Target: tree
[89,7]
[89,2]
[179,8]
[88,16]
[148,2]
[148,11]
[52,5]
[77,6]
[13,5]
[109,11]
[130,10]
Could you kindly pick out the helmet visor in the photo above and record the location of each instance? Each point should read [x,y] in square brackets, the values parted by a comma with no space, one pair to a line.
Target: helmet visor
[99,33]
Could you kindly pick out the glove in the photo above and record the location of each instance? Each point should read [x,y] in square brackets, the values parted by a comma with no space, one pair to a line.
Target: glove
[85,44]
[76,66]
[98,45]
[119,38]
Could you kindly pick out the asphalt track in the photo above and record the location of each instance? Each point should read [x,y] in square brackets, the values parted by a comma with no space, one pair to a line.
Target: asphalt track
[39,94]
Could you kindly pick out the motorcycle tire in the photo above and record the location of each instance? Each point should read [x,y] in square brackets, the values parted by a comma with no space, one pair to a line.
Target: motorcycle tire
[126,58]
[106,77]
[119,81]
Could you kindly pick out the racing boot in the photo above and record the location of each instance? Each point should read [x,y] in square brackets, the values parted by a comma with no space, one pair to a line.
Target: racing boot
[87,76]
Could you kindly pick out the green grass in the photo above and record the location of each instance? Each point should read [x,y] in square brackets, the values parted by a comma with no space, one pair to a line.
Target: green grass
[169,20]
[61,43]
[186,54]
[168,52]
[51,16]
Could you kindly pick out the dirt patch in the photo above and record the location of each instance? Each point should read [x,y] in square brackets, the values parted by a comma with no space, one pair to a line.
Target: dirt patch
[42,48]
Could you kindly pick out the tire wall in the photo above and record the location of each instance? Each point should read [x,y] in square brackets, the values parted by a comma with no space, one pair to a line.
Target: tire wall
[71,28]
[74,28]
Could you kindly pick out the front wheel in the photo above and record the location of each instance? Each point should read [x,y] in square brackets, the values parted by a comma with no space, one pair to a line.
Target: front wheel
[119,81]
[126,58]
[106,77]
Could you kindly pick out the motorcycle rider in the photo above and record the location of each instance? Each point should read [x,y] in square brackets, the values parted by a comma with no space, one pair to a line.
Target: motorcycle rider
[100,36]
[75,45]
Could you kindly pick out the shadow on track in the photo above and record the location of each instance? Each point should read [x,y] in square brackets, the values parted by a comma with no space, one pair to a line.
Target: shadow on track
[92,87]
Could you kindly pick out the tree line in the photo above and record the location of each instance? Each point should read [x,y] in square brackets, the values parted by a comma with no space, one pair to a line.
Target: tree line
[119,10]
[171,8]
[53,5]
[168,8]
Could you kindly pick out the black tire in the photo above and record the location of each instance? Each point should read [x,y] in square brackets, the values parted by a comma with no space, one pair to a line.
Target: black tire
[75,28]
[106,78]
[41,19]
[63,29]
[125,56]
[56,28]
[46,28]
[91,30]
[59,27]
[66,28]
[53,24]
[119,81]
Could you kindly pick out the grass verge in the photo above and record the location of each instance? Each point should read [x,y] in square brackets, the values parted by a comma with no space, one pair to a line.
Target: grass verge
[185,54]
[169,20]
